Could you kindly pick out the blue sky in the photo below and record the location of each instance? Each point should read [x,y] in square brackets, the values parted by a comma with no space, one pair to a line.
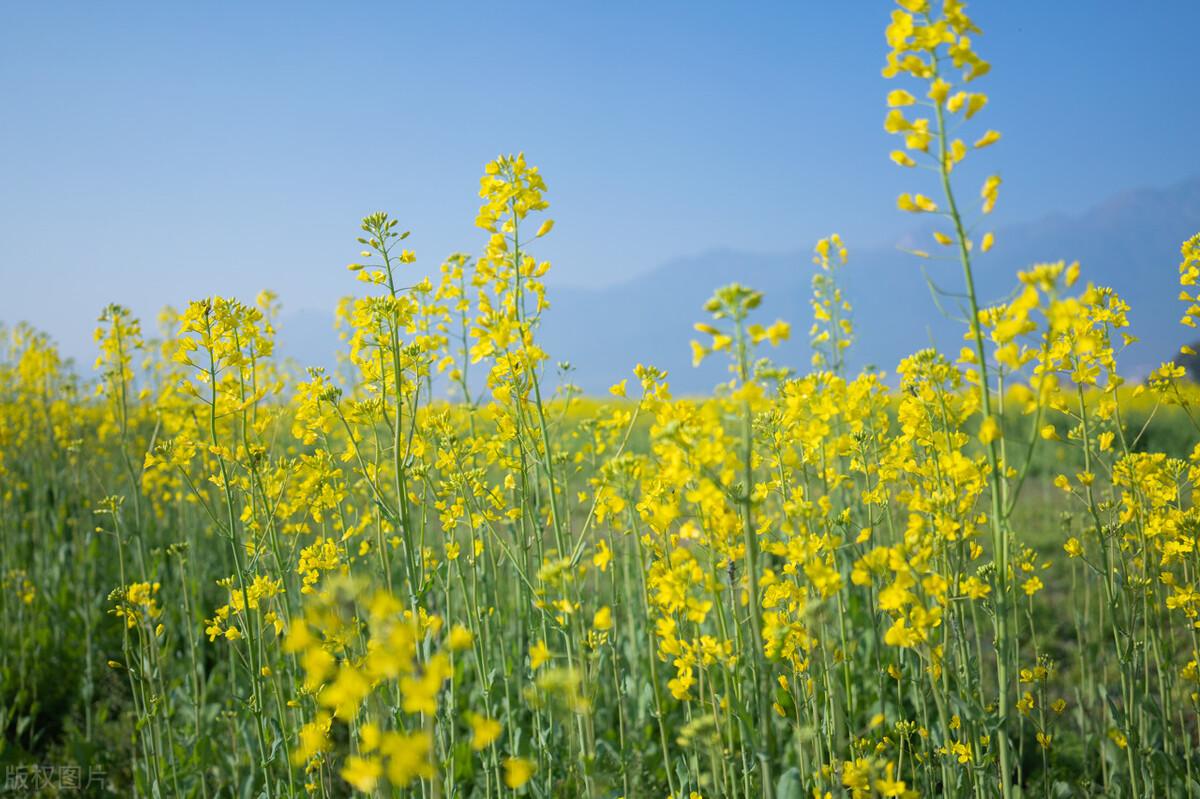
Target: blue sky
[155,152]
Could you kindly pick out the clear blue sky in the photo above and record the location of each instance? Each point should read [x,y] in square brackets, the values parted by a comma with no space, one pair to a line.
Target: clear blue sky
[155,152]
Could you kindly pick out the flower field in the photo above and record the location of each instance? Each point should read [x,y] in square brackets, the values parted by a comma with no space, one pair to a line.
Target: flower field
[440,571]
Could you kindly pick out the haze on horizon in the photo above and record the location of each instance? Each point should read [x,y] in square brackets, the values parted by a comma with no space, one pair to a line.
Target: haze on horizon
[156,153]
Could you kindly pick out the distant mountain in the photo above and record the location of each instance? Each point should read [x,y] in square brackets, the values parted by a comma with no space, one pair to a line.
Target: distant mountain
[1130,242]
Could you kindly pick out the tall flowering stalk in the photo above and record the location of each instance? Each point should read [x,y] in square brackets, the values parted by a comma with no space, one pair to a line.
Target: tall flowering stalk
[926,46]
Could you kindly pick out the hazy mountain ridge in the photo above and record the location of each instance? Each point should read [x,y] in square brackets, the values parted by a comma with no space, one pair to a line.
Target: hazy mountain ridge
[1129,241]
